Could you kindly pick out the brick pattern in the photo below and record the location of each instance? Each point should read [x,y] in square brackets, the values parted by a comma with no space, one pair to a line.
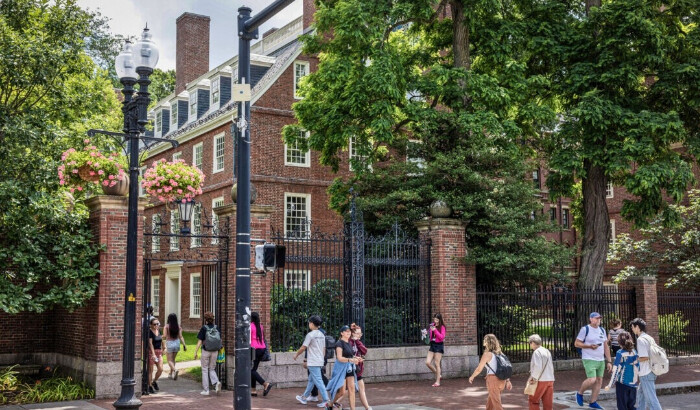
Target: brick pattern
[192,49]
[309,8]
[647,304]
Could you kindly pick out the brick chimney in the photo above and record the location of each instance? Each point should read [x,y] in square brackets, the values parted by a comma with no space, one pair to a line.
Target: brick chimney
[191,50]
[308,13]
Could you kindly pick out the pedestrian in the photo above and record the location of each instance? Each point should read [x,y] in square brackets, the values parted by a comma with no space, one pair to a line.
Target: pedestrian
[494,385]
[209,339]
[344,374]
[613,334]
[257,343]
[646,393]
[155,358]
[625,373]
[315,347]
[173,340]
[541,374]
[595,354]
[360,351]
[437,347]
[314,392]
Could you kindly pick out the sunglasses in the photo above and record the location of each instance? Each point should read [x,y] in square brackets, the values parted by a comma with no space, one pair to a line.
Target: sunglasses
[155,324]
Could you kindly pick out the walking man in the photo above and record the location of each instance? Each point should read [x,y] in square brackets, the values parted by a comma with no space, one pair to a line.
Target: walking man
[646,393]
[595,353]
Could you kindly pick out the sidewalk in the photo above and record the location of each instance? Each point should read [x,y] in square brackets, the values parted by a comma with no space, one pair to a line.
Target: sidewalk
[453,394]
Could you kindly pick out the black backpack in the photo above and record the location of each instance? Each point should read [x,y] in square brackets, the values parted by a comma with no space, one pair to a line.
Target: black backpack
[330,347]
[503,367]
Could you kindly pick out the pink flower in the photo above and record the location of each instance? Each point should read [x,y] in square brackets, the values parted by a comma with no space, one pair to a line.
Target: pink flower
[79,188]
[92,154]
[179,191]
[75,171]
[161,199]
[113,183]
[72,190]
[87,141]
[92,172]
[111,177]
[62,182]
[101,172]
[105,182]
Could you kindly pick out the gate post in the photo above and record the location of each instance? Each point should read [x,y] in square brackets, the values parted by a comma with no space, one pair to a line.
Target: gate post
[647,304]
[355,293]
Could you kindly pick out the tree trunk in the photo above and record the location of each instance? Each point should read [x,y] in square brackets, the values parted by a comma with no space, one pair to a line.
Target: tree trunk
[596,222]
[592,3]
[460,38]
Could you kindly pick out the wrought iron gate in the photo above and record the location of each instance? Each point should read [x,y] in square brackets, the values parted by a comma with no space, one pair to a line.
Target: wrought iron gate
[205,249]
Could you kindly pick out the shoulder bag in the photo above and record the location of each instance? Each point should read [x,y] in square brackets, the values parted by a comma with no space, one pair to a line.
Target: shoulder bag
[530,388]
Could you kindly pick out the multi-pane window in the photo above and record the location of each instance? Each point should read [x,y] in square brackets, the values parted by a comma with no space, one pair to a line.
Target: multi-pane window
[155,228]
[612,231]
[195,295]
[193,104]
[565,218]
[297,279]
[609,192]
[356,156]
[197,225]
[177,155]
[197,155]
[159,122]
[297,215]
[155,294]
[215,90]
[217,202]
[536,179]
[296,156]
[175,230]
[301,69]
[219,144]
[173,116]
[552,213]
[142,190]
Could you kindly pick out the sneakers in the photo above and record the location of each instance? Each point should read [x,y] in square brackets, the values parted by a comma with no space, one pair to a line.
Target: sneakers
[218,387]
[170,375]
[595,405]
[313,398]
[155,385]
[301,399]
[322,405]
[150,390]
[579,399]
[204,392]
[175,375]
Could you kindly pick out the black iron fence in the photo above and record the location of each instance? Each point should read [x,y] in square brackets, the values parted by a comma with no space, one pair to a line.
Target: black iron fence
[679,328]
[555,313]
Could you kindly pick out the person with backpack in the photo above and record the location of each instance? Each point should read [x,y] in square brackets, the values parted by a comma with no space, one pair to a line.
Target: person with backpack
[209,339]
[437,347]
[498,371]
[315,347]
[648,352]
[592,342]
[330,348]
[541,375]
[625,373]
[257,343]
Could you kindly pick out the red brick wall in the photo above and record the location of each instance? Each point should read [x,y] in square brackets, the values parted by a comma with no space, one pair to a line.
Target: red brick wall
[309,8]
[26,333]
[192,49]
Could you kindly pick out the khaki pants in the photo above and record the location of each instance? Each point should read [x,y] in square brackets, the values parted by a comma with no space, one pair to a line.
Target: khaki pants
[495,386]
[544,393]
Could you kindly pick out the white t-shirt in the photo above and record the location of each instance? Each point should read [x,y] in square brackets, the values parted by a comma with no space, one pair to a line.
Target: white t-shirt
[643,351]
[315,343]
[596,335]
[493,363]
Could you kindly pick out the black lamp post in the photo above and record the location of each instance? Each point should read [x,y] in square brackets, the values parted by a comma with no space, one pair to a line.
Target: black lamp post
[185,208]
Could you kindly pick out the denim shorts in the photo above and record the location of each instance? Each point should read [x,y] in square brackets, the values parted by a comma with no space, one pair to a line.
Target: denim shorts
[172,346]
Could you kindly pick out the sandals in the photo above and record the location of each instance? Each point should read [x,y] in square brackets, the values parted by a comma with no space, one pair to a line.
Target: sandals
[436,384]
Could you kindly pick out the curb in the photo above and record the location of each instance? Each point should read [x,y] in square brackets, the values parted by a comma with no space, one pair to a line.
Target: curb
[569,398]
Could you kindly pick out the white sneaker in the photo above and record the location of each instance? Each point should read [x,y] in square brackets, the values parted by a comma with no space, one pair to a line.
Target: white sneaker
[170,375]
[322,405]
[218,387]
[204,392]
[301,399]
[176,373]
[312,398]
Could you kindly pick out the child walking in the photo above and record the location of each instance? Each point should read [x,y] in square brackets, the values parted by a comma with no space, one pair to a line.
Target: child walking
[613,334]
[315,347]
[625,373]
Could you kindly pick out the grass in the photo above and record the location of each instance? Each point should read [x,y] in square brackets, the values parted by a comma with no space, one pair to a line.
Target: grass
[194,373]
[191,341]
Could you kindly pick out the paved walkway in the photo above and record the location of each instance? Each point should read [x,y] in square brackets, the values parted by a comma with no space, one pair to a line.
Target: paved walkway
[413,395]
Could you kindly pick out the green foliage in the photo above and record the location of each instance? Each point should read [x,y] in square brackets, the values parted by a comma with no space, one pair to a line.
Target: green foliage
[162,85]
[106,170]
[19,390]
[664,246]
[672,330]
[515,318]
[191,342]
[195,373]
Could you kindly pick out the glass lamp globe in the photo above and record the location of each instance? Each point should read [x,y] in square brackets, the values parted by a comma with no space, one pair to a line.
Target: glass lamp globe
[124,63]
[145,51]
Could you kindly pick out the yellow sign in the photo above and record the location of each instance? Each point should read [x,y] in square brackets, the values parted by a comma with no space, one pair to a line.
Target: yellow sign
[131,297]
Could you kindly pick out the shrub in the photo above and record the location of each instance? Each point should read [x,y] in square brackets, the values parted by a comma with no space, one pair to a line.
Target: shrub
[508,323]
[173,181]
[672,332]
[16,390]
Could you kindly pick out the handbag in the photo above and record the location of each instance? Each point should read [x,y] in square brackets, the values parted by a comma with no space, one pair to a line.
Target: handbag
[266,356]
[530,388]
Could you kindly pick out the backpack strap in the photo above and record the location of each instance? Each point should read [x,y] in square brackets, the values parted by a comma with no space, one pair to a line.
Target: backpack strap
[586,336]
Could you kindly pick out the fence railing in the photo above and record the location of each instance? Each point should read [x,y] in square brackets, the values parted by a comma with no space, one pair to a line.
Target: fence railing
[679,328]
[555,313]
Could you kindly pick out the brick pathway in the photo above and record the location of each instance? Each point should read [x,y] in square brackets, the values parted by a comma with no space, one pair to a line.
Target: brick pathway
[453,394]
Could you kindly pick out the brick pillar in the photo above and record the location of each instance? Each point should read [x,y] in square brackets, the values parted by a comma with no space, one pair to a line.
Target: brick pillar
[104,337]
[647,306]
[259,284]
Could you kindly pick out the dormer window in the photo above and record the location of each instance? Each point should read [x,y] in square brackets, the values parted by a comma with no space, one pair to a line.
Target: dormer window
[159,122]
[215,90]
[193,104]
[173,116]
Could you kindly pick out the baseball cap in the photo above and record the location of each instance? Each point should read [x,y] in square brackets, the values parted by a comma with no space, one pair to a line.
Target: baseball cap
[594,315]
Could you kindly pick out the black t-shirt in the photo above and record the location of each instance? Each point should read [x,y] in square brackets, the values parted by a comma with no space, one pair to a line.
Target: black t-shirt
[157,340]
[347,349]
[202,335]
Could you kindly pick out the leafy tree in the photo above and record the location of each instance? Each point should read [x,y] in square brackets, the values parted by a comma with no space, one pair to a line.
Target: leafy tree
[448,84]
[162,84]
[51,92]
[626,75]
[664,248]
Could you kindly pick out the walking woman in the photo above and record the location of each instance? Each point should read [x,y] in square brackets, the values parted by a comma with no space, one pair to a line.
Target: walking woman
[360,351]
[344,371]
[209,339]
[155,349]
[541,374]
[437,347]
[257,342]
[173,339]
[495,386]
[625,373]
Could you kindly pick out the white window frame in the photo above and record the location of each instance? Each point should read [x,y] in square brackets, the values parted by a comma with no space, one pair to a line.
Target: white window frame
[215,203]
[292,276]
[215,91]
[155,228]
[296,79]
[354,155]
[307,155]
[159,123]
[175,230]
[174,111]
[307,199]
[196,224]
[198,147]
[177,155]
[142,190]
[194,315]
[568,218]
[218,160]
[192,106]
[612,231]
[610,191]
[155,296]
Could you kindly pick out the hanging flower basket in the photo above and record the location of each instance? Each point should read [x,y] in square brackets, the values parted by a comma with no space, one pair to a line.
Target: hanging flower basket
[82,168]
[173,181]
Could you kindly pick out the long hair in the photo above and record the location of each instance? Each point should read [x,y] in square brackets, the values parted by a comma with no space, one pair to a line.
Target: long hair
[624,339]
[491,344]
[255,318]
[173,327]
[441,323]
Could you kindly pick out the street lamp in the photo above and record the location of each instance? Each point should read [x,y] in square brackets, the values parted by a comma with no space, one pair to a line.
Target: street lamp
[185,207]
